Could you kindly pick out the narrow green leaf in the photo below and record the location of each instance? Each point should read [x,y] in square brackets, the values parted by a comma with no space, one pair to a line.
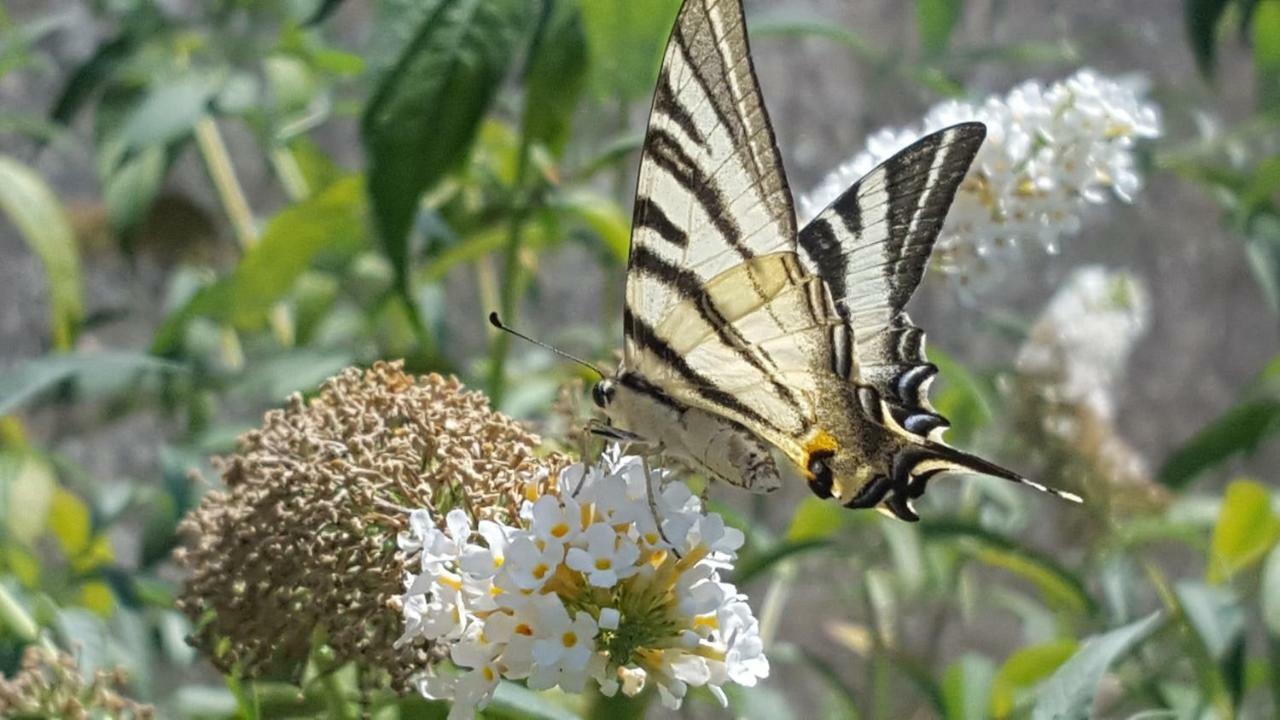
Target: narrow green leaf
[1245,531]
[90,75]
[516,702]
[556,75]
[1202,18]
[1069,693]
[27,380]
[962,398]
[1240,430]
[752,566]
[1024,668]
[130,188]
[626,39]
[935,21]
[423,117]
[40,217]
[1266,53]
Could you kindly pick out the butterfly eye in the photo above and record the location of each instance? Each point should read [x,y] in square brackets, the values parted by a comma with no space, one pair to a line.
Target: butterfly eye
[602,393]
[818,467]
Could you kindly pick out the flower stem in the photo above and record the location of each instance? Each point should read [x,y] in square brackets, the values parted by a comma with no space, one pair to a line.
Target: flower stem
[218,162]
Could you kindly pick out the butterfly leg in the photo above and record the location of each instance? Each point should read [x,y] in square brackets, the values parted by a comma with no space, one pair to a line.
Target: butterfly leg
[653,504]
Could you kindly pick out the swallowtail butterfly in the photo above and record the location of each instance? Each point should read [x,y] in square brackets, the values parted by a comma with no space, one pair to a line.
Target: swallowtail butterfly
[745,334]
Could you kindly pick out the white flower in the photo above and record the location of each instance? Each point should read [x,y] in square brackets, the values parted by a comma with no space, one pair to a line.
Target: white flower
[607,558]
[563,647]
[531,565]
[526,601]
[1050,152]
[556,520]
[484,561]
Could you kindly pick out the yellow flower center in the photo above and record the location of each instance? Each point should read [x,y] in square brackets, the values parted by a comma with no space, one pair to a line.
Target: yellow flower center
[560,530]
[540,570]
[524,629]
[603,563]
[488,673]
[569,639]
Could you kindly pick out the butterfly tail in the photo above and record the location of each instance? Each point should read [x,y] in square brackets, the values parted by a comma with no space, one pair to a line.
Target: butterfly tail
[960,461]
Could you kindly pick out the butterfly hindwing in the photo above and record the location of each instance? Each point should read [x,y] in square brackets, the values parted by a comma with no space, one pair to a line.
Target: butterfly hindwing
[872,245]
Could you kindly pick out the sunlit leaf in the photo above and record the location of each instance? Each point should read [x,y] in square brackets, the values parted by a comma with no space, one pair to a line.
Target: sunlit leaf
[1069,693]
[27,485]
[1266,53]
[1024,668]
[40,218]
[935,21]
[626,40]
[422,119]
[603,216]
[815,519]
[1246,529]
[556,74]
[1214,613]
[27,380]
[70,522]
[96,597]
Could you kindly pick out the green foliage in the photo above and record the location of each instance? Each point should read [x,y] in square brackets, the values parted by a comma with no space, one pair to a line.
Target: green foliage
[497,134]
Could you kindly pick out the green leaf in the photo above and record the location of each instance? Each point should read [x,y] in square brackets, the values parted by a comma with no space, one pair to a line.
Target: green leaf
[1214,613]
[966,687]
[131,187]
[516,702]
[1241,429]
[1270,592]
[1202,19]
[1056,584]
[422,119]
[962,398]
[1262,250]
[556,75]
[815,519]
[40,217]
[169,111]
[70,522]
[1024,668]
[27,380]
[1266,53]
[751,566]
[1069,693]
[27,484]
[602,216]
[626,40]
[1245,531]
[332,221]
[935,21]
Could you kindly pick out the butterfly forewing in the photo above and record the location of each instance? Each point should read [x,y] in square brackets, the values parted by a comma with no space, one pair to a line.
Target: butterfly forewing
[711,191]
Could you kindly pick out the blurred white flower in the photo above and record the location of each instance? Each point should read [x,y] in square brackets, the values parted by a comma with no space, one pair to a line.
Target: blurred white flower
[586,587]
[1050,153]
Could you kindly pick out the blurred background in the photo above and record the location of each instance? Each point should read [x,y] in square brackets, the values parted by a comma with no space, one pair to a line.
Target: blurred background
[211,205]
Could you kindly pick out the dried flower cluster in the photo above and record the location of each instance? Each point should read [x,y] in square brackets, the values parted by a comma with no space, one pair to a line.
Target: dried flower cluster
[49,685]
[604,577]
[1050,153]
[1070,370]
[301,546]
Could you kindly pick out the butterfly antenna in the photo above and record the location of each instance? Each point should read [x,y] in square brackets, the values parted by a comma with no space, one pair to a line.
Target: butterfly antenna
[496,321]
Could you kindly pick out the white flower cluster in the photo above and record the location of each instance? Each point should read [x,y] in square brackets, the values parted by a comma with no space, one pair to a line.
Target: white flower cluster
[1050,153]
[1085,335]
[597,582]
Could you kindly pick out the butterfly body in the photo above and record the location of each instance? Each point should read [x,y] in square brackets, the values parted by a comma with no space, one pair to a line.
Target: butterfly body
[748,337]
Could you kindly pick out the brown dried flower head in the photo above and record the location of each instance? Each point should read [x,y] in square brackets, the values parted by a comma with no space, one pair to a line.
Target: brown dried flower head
[300,547]
[49,685]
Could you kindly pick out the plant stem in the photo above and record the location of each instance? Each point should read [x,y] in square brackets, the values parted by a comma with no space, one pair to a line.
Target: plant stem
[218,162]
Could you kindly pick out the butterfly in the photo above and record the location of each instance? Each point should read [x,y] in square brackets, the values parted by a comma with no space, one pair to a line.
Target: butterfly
[745,334]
